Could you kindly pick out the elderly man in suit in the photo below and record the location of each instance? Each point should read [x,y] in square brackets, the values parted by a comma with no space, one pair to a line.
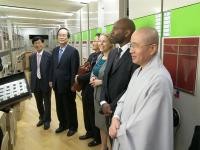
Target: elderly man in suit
[65,64]
[143,118]
[40,62]
[119,67]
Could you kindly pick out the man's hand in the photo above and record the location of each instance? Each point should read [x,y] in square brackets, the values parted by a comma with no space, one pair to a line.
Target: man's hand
[114,127]
[106,109]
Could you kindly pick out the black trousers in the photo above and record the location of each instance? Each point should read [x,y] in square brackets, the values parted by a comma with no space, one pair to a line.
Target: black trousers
[66,109]
[88,112]
[43,101]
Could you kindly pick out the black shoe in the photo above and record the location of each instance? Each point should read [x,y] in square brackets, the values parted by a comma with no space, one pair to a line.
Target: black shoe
[71,132]
[40,122]
[93,143]
[60,129]
[46,125]
[86,136]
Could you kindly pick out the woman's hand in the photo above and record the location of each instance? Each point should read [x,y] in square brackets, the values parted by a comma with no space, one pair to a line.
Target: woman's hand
[96,82]
[92,79]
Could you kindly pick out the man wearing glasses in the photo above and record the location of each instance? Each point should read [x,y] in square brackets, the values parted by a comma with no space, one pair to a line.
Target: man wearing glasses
[65,64]
[143,117]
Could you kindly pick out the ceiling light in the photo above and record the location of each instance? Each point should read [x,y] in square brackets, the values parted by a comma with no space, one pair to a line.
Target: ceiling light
[3,17]
[73,27]
[20,17]
[36,10]
[22,23]
[34,27]
[82,19]
[84,1]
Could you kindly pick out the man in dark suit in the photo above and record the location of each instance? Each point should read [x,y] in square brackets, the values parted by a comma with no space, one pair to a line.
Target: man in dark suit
[65,64]
[40,62]
[119,67]
[88,98]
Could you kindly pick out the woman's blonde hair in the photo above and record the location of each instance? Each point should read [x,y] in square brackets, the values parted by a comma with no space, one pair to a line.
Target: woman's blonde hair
[108,35]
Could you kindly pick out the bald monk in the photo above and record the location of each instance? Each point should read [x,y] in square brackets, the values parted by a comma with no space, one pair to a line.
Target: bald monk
[143,117]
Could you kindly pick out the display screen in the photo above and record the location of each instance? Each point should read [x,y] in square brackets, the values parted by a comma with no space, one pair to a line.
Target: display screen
[13,89]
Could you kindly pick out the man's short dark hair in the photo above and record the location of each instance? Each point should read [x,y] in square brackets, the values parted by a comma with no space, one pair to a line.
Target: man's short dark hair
[36,38]
[98,34]
[68,34]
[128,24]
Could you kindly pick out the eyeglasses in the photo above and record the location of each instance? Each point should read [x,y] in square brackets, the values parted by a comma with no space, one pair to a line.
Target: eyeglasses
[135,45]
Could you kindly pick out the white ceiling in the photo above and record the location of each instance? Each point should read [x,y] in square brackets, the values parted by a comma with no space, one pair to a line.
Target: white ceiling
[38,18]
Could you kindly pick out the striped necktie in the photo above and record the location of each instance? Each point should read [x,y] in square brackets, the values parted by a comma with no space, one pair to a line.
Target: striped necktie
[117,57]
[60,54]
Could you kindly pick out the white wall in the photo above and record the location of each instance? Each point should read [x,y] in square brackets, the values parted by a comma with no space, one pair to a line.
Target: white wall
[172,4]
[140,8]
[93,15]
[84,18]
[85,27]
[76,22]
[189,107]
[111,11]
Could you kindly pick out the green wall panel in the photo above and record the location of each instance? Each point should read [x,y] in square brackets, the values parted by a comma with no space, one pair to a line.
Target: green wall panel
[109,28]
[186,21]
[145,21]
[84,35]
[99,30]
[93,32]
[77,37]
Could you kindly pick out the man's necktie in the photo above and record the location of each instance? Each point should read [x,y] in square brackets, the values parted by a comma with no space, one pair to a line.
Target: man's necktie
[60,54]
[38,66]
[117,57]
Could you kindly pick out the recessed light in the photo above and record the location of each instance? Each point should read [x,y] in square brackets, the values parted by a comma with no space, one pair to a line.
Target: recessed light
[20,17]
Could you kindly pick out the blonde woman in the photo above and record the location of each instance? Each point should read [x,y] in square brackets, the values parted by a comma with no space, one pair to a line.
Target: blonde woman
[105,46]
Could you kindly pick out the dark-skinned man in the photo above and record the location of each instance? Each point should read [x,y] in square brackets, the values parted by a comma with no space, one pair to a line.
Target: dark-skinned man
[119,67]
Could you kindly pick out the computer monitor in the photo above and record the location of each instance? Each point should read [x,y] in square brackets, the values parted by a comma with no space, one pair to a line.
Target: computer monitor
[13,89]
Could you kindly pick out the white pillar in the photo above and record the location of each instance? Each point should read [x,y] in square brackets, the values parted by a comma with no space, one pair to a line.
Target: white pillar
[101,15]
[65,23]
[10,34]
